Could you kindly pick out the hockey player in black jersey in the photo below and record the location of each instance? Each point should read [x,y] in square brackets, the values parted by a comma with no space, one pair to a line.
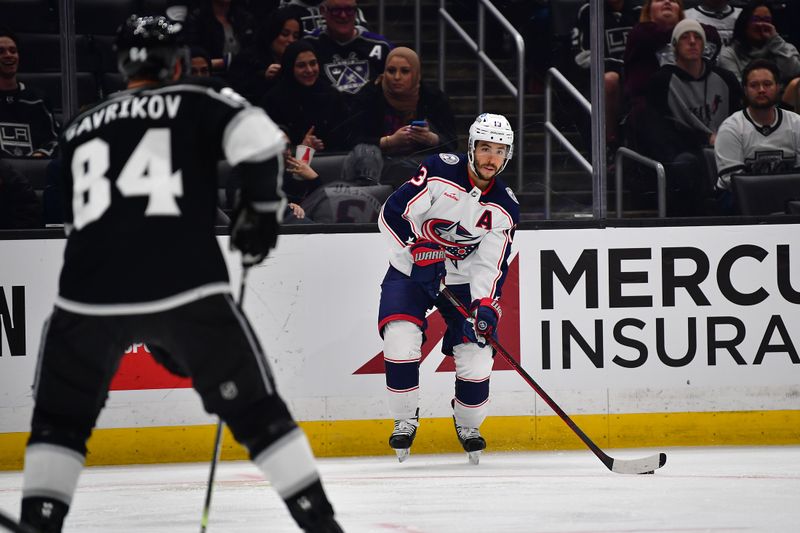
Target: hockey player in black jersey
[140,174]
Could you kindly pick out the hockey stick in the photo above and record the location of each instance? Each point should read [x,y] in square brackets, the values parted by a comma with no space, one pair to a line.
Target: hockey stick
[646,465]
[218,434]
[7,523]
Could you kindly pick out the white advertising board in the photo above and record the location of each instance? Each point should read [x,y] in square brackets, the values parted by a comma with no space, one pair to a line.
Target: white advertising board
[613,320]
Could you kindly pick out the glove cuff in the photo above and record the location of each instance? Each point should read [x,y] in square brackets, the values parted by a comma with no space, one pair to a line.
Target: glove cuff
[491,303]
[425,253]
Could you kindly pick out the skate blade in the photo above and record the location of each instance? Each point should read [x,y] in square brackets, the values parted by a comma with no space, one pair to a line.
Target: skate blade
[402,453]
[474,457]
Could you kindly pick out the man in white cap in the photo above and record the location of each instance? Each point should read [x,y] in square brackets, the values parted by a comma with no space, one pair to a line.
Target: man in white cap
[689,100]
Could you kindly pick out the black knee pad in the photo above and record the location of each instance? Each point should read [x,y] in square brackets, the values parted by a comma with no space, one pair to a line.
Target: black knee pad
[260,423]
[69,432]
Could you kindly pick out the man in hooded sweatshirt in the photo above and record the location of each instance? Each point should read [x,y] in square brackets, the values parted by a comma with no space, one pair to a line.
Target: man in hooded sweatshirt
[688,102]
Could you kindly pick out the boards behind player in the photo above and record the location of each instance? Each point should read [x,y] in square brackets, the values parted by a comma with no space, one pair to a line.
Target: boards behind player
[140,176]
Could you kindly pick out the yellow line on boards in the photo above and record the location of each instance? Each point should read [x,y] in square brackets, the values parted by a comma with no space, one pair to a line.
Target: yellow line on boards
[341,438]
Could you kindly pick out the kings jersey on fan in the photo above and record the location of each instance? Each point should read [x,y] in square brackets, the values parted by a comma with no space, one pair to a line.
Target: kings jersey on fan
[141,193]
[475,228]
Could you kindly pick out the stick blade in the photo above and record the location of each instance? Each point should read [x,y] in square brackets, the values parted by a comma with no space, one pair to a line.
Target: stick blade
[645,465]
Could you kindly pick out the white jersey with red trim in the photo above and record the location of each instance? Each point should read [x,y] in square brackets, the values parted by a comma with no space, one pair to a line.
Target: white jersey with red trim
[476,228]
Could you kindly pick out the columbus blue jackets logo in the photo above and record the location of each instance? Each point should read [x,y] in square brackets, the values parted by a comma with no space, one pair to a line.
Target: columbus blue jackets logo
[458,243]
[348,75]
[450,159]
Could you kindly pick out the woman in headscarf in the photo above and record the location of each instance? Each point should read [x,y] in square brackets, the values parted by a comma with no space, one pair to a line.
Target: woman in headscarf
[254,71]
[313,113]
[397,100]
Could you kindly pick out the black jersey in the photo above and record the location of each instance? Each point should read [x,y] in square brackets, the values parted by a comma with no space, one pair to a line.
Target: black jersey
[140,182]
[26,123]
[349,66]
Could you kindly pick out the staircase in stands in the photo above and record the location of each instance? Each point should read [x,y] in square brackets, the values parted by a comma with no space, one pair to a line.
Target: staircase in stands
[571,195]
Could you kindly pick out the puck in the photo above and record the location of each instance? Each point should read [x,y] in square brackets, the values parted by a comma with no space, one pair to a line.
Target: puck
[650,472]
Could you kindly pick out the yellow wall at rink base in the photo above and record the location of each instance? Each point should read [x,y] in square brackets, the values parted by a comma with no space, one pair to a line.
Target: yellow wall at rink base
[436,435]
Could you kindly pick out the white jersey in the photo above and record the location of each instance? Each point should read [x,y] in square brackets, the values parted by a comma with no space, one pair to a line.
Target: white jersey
[723,20]
[474,227]
[744,146]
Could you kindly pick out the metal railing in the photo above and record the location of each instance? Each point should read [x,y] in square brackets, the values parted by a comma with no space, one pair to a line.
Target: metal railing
[661,178]
[517,91]
[551,131]
[69,69]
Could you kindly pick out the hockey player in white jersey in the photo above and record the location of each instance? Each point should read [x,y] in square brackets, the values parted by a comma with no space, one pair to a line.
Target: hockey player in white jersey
[760,139]
[453,221]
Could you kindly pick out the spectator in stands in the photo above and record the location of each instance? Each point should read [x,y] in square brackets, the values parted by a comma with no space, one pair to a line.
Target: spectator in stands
[356,197]
[760,139]
[20,208]
[27,126]
[390,107]
[223,28]
[687,102]
[199,62]
[254,70]
[755,37]
[350,57]
[619,18]
[649,45]
[313,113]
[717,13]
[299,179]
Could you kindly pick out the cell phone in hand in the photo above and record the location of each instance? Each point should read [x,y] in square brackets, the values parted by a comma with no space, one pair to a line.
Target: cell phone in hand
[419,123]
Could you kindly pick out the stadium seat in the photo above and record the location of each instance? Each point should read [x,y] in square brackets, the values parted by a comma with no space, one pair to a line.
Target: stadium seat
[342,202]
[33,168]
[102,17]
[33,16]
[767,194]
[49,83]
[41,52]
[157,7]
[329,166]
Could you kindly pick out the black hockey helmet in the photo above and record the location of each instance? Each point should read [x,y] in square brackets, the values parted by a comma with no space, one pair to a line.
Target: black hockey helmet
[147,47]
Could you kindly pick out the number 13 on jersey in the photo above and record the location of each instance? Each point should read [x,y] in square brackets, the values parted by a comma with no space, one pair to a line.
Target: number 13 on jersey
[148,172]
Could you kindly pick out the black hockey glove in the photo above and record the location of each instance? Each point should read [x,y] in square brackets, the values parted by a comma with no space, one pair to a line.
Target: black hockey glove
[254,234]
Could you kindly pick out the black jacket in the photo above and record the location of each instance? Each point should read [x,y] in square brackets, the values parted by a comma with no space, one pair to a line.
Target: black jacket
[433,106]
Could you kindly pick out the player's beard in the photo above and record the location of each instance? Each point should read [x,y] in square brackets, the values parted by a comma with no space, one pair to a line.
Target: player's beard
[487,178]
[764,104]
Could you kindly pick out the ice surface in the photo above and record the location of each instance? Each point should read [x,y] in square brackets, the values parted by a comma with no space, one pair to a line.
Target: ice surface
[731,489]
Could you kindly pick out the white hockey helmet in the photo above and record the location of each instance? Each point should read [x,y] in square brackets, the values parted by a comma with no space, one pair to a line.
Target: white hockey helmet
[492,128]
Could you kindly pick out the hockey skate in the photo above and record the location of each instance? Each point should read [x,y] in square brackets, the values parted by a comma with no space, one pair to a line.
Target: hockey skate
[471,441]
[403,436]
